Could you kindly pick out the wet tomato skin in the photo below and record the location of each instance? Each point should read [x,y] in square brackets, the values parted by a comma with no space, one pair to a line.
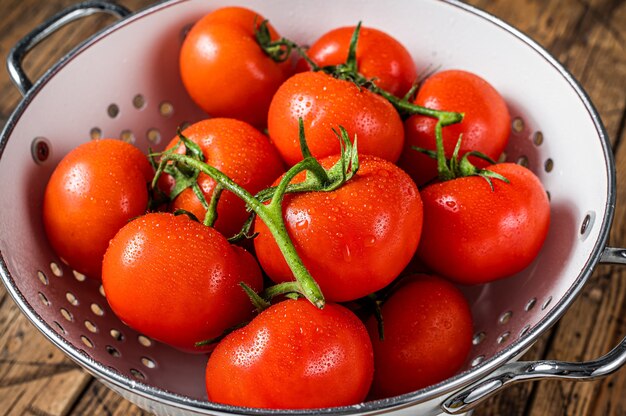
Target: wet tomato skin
[354,240]
[428,335]
[485,128]
[177,280]
[325,103]
[293,356]
[238,150]
[224,69]
[379,56]
[473,234]
[92,193]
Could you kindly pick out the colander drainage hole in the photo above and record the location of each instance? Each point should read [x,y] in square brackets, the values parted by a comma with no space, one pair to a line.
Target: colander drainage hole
[524,330]
[127,136]
[149,363]
[44,300]
[56,269]
[137,374]
[95,133]
[587,224]
[523,161]
[40,150]
[79,276]
[42,278]
[538,138]
[116,335]
[113,110]
[72,299]
[478,360]
[517,125]
[505,317]
[478,338]
[91,327]
[86,341]
[530,304]
[67,315]
[548,165]
[166,109]
[503,337]
[153,136]
[97,309]
[101,291]
[113,352]
[144,340]
[546,303]
[139,102]
[59,328]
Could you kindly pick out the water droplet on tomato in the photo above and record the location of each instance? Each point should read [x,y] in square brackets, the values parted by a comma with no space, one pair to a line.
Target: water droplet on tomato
[369,241]
[384,173]
[302,224]
[347,254]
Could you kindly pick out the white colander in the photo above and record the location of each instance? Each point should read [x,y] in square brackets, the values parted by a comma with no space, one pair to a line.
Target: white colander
[124,83]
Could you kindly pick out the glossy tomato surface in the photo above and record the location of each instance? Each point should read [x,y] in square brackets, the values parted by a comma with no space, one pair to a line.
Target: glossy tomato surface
[473,234]
[293,356]
[177,280]
[379,56]
[485,128]
[92,193]
[354,240]
[325,103]
[224,69]
[242,153]
[427,336]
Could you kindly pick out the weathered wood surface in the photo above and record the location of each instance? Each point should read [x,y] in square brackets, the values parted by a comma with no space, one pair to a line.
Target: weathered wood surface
[587,36]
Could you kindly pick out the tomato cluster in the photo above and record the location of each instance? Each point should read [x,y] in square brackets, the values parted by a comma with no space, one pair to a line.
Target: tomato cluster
[365,171]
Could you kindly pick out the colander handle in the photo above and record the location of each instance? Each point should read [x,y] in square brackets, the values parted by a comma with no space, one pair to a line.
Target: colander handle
[41,32]
[510,373]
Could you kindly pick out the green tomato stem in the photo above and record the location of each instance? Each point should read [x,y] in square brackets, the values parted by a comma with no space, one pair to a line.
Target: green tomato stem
[270,214]
[211,212]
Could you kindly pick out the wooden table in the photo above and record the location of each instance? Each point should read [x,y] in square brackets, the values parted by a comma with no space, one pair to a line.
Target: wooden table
[587,36]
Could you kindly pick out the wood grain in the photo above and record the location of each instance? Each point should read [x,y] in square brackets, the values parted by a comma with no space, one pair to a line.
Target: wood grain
[588,37]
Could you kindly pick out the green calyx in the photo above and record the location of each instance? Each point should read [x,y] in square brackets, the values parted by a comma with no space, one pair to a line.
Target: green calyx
[349,71]
[279,50]
[186,177]
[454,167]
[268,203]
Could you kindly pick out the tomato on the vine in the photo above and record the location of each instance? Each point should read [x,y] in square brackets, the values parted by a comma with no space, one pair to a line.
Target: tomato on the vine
[177,280]
[226,71]
[238,150]
[293,356]
[475,234]
[427,336]
[326,103]
[353,240]
[92,193]
[485,128]
[379,56]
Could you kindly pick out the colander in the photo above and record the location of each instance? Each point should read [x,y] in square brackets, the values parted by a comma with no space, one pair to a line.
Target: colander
[124,83]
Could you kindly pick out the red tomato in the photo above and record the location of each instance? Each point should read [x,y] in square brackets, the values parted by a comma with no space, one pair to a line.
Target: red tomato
[176,280]
[354,240]
[238,150]
[325,103]
[428,335]
[473,234]
[92,193]
[486,125]
[293,356]
[224,69]
[378,56]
